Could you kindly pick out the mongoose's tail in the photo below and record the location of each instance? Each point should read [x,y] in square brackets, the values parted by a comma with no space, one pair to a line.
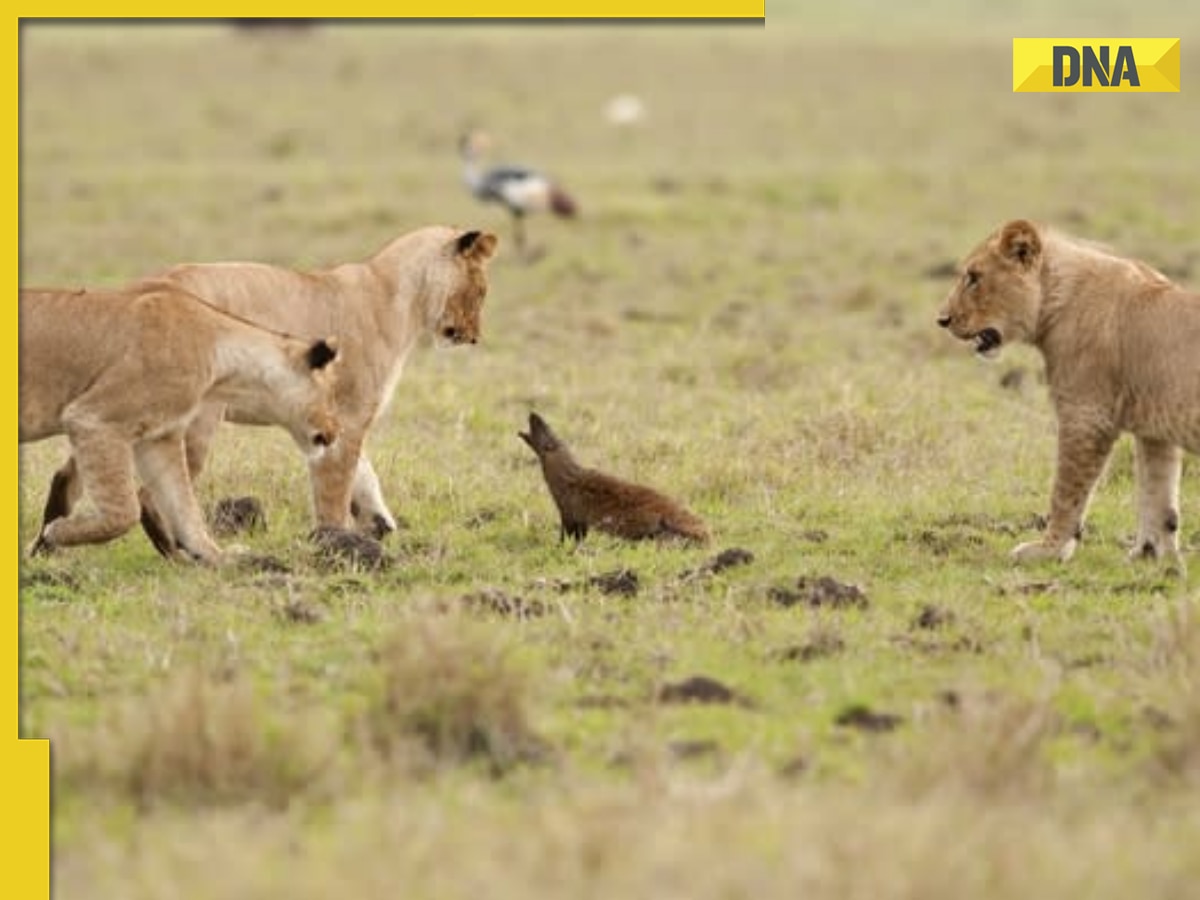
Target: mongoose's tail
[685,525]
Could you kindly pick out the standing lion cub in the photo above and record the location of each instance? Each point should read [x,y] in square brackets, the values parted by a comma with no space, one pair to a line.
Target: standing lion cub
[123,373]
[1121,344]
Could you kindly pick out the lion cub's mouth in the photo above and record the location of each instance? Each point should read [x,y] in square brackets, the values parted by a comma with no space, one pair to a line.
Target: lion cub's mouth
[987,342]
[320,441]
[454,336]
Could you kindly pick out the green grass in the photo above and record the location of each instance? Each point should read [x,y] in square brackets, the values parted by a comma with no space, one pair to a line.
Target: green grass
[742,317]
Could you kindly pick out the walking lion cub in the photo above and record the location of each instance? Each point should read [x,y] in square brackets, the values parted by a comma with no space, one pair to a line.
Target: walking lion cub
[122,373]
[1121,343]
[430,282]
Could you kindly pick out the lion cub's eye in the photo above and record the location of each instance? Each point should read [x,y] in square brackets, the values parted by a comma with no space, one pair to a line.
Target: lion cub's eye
[971,278]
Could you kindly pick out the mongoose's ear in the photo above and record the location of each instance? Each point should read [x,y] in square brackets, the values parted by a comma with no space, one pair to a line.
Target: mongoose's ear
[322,353]
[1020,242]
[527,438]
[477,245]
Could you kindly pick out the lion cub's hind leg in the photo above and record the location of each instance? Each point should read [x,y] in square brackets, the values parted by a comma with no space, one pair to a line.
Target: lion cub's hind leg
[1157,468]
[66,488]
[103,464]
[162,466]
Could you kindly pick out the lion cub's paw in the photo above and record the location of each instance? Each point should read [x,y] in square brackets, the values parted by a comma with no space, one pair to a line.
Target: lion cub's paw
[41,546]
[1037,551]
[1153,547]
[1147,551]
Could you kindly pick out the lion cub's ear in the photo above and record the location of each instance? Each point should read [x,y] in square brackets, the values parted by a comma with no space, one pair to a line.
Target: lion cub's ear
[322,353]
[477,245]
[1019,241]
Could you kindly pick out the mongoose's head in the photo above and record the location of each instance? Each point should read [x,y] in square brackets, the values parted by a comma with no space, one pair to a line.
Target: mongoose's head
[540,438]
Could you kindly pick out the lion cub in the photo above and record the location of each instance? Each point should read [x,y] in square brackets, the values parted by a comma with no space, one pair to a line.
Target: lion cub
[122,373]
[1120,343]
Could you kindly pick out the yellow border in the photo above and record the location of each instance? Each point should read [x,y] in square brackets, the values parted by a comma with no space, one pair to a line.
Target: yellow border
[506,9]
[26,763]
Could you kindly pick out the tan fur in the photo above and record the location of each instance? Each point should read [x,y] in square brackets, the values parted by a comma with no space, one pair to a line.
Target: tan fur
[122,373]
[587,498]
[1121,344]
[431,281]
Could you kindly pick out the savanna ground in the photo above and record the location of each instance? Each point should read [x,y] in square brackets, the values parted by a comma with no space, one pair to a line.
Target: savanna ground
[743,317]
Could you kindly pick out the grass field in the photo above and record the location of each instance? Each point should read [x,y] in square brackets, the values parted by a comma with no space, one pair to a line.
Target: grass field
[743,316]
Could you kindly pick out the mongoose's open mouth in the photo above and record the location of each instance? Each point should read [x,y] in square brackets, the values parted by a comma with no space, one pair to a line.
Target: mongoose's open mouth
[539,438]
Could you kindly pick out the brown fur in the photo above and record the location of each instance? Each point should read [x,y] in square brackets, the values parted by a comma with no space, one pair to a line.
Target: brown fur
[122,373]
[1121,344]
[429,282]
[586,498]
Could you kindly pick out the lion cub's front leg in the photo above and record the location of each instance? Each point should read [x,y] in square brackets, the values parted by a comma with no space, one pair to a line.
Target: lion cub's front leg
[1083,451]
[332,474]
[367,505]
[1157,469]
[163,468]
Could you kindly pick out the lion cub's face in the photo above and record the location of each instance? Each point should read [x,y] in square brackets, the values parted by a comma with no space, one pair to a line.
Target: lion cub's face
[311,412]
[461,319]
[998,293]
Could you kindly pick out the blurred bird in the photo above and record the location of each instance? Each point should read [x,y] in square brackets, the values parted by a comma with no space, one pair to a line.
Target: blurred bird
[521,191]
[625,110]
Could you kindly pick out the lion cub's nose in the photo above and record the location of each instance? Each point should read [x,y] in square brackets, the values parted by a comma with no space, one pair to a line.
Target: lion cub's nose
[944,321]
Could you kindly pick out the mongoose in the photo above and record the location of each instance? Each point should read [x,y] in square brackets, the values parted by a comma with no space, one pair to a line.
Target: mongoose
[586,498]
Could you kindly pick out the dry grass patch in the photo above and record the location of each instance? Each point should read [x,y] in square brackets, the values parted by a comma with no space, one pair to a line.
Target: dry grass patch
[198,741]
[1176,651]
[984,746]
[451,692]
